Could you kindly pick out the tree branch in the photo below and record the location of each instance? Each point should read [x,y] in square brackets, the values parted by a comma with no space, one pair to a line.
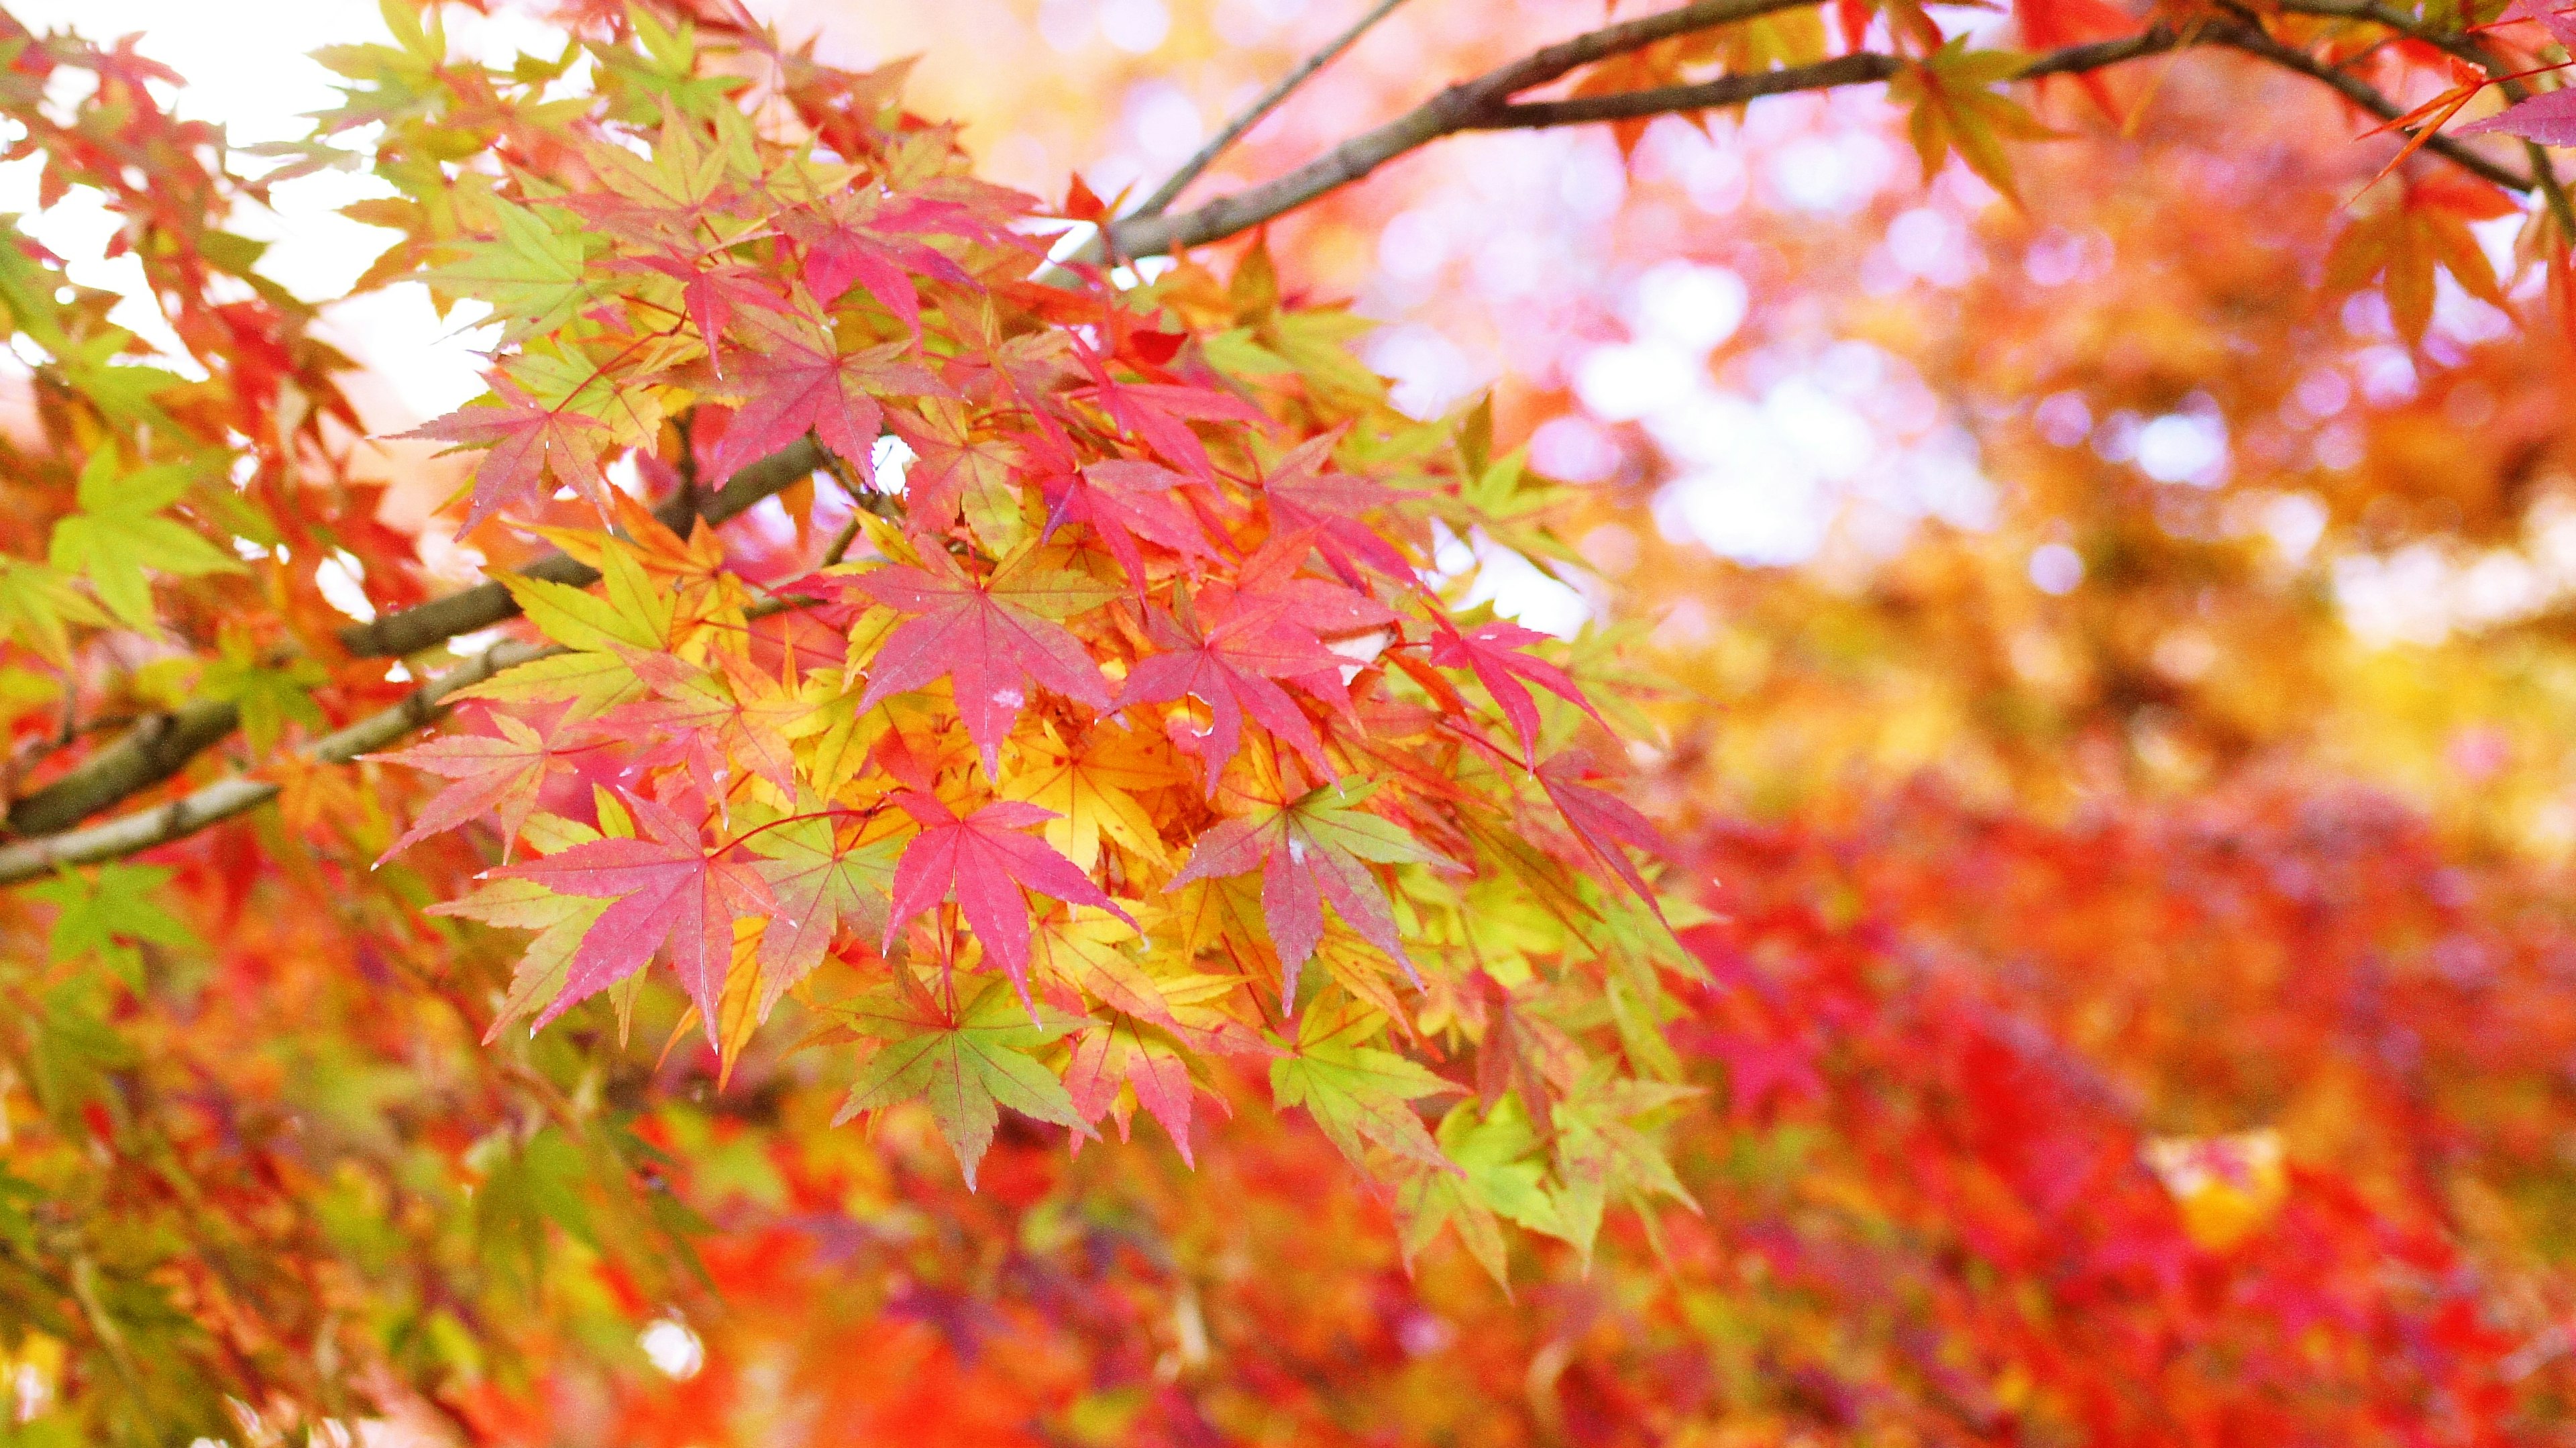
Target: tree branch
[2254,42]
[235,794]
[1442,115]
[484,605]
[162,745]
[1262,105]
[240,793]
[2465,47]
[1485,104]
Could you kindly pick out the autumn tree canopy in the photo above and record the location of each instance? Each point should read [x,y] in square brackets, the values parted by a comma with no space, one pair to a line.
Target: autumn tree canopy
[1936,815]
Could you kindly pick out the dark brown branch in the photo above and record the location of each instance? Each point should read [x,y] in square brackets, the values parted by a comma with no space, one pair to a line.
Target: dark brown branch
[1442,115]
[160,746]
[1262,105]
[2254,42]
[435,622]
[1485,104]
[236,794]
[2465,47]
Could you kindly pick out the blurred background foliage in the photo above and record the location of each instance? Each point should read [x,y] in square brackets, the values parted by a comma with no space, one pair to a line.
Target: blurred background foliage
[2117,680]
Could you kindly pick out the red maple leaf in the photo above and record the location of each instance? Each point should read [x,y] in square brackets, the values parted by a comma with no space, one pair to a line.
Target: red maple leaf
[875,240]
[986,861]
[1602,821]
[493,776]
[989,637]
[1121,501]
[526,438]
[795,381]
[1311,850]
[1303,498]
[671,894]
[1157,412]
[710,293]
[949,458]
[1493,652]
[1231,665]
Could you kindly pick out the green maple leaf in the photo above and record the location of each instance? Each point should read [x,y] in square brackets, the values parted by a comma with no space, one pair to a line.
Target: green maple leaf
[120,532]
[266,697]
[1605,1151]
[1357,1093]
[821,888]
[36,604]
[122,390]
[1501,1173]
[531,274]
[1954,107]
[106,913]
[964,1065]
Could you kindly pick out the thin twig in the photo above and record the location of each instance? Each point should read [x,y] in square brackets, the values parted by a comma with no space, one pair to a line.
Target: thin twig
[1251,115]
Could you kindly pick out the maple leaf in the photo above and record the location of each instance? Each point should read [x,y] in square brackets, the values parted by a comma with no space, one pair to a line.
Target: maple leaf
[36,604]
[954,468]
[2403,243]
[669,893]
[561,921]
[1355,1092]
[989,637]
[1493,653]
[497,776]
[1604,1151]
[1602,821]
[533,275]
[119,532]
[1091,790]
[105,913]
[1954,108]
[985,861]
[1326,508]
[1309,851]
[662,198]
[821,886]
[528,439]
[715,720]
[1231,665]
[1111,1055]
[964,1064]
[710,293]
[1156,412]
[795,380]
[862,235]
[1498,1170]
[1122,501]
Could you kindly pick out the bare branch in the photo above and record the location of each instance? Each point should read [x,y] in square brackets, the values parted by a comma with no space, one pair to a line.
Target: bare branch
[1262,105]
[2254,42]
[1485,104]
[1442,115]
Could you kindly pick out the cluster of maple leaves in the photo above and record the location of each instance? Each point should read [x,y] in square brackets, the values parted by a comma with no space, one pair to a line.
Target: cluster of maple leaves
[1123,728]
[1085,729]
